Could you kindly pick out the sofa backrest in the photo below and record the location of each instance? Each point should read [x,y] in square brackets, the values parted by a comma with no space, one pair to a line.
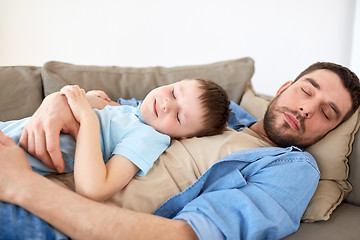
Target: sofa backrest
[21,91]
[131,82]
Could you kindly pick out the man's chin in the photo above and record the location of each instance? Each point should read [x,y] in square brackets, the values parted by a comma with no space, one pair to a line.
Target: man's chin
[292,142]
[284,140]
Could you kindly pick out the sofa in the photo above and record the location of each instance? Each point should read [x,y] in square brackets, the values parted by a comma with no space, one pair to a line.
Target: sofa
[334,210]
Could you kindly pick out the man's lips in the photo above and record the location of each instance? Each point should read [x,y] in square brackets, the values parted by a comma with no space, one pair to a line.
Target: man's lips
[292,121]
[154,107]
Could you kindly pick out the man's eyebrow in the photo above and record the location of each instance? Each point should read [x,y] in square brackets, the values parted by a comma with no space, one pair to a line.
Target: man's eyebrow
[332,105]
[312,82]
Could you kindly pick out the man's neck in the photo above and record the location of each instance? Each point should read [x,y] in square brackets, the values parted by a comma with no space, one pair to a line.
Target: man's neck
[258,128]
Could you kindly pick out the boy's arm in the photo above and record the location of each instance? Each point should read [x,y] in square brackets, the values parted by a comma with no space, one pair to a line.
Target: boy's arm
[93,178]
[100,181]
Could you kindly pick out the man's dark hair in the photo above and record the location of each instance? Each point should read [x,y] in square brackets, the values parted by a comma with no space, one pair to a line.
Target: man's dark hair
[216,103]
[348,78]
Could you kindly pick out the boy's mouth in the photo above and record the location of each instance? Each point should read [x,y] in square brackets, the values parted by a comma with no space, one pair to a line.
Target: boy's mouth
[154,107]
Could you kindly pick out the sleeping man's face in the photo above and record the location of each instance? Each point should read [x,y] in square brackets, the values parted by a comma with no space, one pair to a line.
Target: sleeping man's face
[304,111]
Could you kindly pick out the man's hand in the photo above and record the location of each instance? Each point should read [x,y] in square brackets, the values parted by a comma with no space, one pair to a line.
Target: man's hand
[41,135]
[13,165]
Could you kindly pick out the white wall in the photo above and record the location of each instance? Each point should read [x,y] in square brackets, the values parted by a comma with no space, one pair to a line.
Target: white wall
[355,50]
[283,37]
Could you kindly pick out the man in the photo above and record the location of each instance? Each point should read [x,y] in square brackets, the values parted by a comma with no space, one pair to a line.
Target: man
[252,194]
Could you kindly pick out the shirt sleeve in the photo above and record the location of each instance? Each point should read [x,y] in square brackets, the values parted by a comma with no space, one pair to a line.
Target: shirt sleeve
[239,118]
[268,206]
[142,145]
[131,102]
[198,220]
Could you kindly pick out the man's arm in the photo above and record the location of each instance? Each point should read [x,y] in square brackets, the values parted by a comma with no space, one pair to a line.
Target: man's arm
[76,216]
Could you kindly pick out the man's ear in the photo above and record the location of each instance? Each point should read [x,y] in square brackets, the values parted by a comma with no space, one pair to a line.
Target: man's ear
[283,87]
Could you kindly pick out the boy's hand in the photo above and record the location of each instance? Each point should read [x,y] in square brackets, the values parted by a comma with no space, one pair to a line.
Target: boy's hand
[99,99]
[78,102]
[99,94]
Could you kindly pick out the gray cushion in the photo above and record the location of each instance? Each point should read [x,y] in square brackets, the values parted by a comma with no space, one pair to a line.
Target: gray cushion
[20,92]
[128,82]
[343,224]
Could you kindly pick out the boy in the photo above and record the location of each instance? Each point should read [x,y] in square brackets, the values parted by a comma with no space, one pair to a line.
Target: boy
[131,139]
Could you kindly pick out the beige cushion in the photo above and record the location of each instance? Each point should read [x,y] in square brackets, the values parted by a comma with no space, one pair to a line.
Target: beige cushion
[129,82]
[331,156]
[20,92]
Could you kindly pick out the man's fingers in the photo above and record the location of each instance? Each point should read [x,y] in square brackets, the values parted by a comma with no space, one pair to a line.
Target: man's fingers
[27,138]
[24,139]
[53,148]
[40,150]
[30,143]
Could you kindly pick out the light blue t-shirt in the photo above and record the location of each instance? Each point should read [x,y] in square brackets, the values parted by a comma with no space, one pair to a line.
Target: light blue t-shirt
[123,131]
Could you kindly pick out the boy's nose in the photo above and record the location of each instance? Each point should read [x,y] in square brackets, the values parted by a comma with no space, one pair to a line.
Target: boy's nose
[167,105]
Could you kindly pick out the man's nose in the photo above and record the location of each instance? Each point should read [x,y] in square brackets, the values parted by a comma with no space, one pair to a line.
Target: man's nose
[306,111]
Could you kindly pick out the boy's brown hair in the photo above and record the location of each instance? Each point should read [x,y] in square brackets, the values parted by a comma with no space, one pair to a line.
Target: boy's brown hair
[216,103]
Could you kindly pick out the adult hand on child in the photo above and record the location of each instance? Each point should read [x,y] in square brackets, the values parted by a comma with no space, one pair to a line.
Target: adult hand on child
[41,135]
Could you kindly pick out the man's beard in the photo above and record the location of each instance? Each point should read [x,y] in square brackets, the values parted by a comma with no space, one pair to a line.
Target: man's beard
[277,134]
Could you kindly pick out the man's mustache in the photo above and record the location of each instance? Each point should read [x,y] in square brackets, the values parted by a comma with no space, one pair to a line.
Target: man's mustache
[297,115]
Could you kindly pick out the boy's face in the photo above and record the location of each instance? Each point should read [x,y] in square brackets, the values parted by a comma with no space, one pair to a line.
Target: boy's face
[174,109]
[305,111]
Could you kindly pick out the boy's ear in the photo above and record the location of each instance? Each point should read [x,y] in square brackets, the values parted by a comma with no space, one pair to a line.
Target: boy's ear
[283,87]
